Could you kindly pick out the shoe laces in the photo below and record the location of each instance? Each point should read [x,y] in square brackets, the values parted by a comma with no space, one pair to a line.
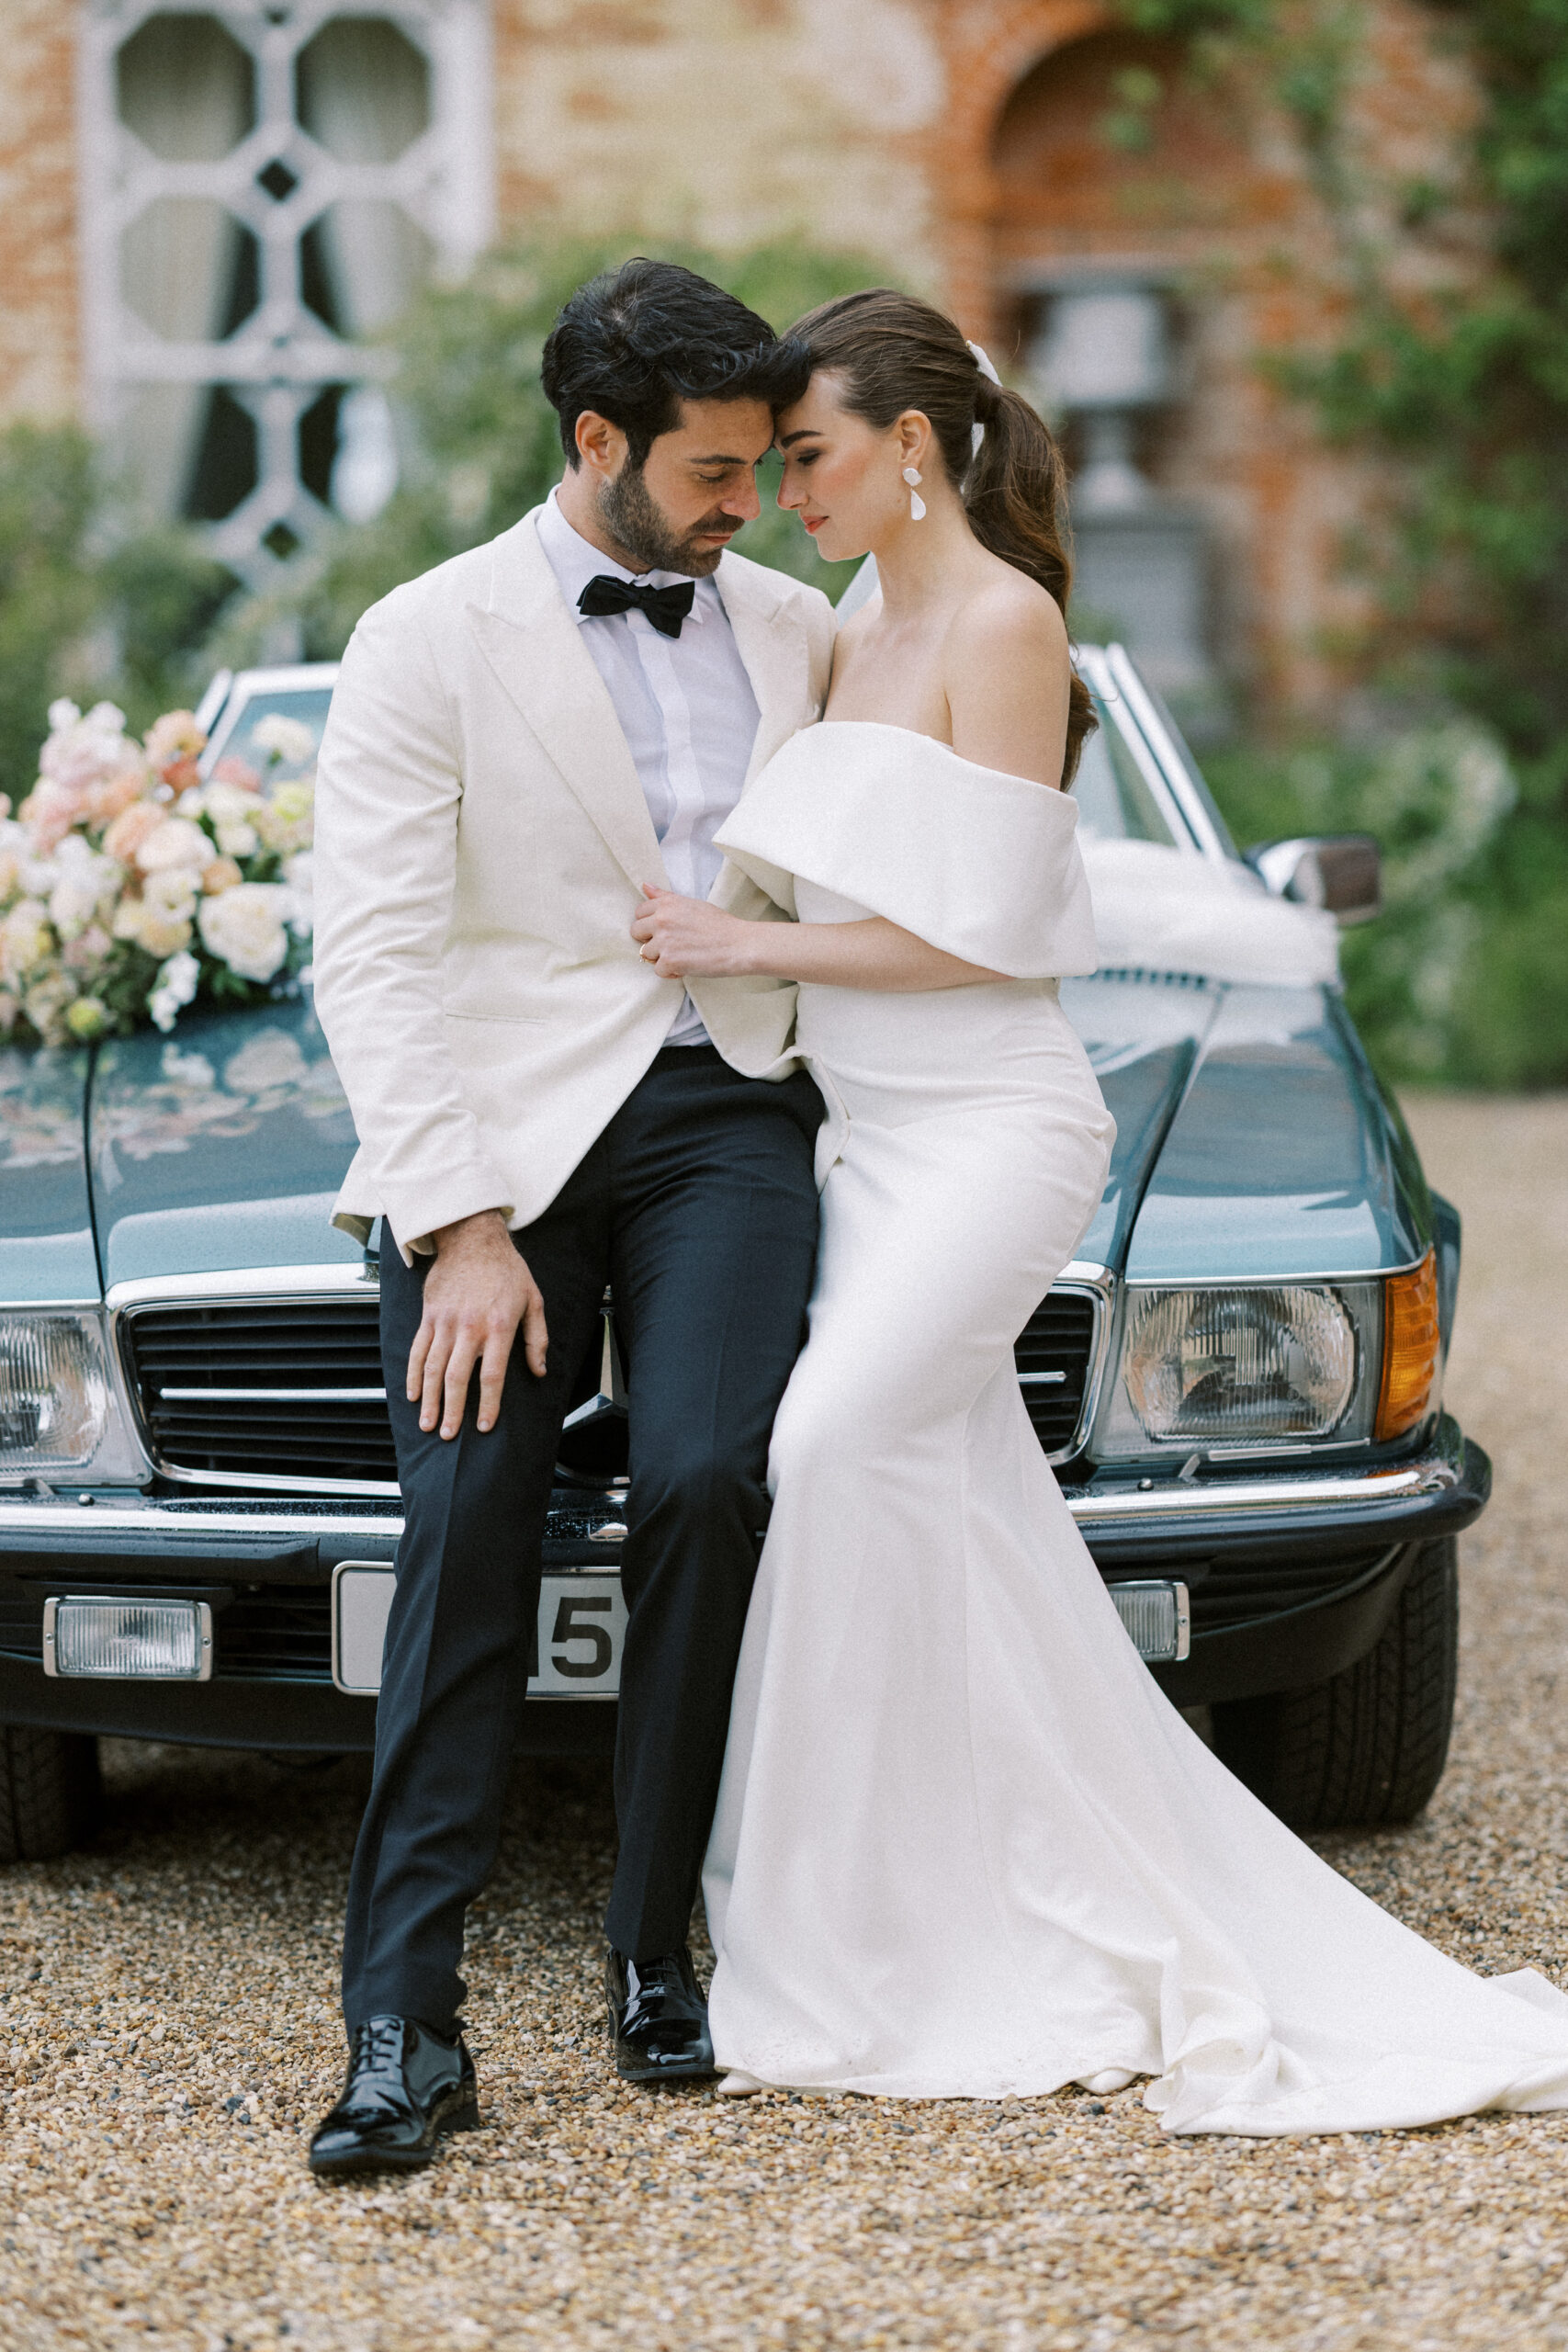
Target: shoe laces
[377,2047]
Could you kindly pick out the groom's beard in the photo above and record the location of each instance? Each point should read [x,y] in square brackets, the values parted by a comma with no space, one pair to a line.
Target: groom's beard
[633,520]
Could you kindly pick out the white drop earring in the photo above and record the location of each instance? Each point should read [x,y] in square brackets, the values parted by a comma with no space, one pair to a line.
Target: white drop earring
[917,504]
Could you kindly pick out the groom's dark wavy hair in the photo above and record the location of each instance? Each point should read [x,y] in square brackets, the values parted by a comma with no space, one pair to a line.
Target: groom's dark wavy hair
[635,341]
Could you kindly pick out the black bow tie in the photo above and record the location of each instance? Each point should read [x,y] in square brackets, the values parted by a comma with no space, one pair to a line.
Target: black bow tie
[665,608]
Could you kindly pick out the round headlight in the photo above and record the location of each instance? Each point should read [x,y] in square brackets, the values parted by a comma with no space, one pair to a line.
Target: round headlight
[54,1397]
[1238,1363]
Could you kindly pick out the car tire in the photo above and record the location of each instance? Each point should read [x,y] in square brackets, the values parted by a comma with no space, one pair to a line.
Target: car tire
[1366,1749]
[52,1795]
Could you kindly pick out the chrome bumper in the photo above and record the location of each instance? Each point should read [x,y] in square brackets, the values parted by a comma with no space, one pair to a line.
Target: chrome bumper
[1450,1476]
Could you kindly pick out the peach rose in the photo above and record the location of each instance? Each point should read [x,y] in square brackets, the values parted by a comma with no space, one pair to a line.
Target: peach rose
[174,736]
[105,801]
[163,935]
[130,829]
[222,874]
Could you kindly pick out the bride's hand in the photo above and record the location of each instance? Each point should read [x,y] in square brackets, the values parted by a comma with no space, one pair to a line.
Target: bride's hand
[687,939]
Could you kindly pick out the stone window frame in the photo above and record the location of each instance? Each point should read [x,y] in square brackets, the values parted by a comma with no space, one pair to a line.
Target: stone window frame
[282,358]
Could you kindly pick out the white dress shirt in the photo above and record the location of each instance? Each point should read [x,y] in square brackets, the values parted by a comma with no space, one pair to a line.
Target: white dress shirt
[687,709]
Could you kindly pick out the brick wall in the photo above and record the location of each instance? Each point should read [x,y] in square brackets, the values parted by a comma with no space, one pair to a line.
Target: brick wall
[1222,206]
[958,141]
[40,331]
[728,121]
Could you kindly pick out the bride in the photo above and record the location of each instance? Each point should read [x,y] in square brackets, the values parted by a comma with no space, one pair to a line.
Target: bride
[964,1846]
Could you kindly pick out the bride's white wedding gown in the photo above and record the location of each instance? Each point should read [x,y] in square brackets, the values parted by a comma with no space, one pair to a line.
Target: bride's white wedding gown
[964,1846]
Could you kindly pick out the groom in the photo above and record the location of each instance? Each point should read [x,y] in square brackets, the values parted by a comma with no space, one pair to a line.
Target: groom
[520,742]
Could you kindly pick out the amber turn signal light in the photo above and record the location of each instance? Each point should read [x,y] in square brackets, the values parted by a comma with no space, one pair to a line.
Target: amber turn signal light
[1411,1345]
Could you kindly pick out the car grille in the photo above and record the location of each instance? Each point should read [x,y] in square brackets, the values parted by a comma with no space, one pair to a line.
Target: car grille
[275,1636]
[1240,1591]
[264,1390]
[291,1391]
[1055,1357]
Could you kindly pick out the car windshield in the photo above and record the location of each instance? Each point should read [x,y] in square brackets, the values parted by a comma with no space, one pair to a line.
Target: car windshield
[235,737]
[1114,800]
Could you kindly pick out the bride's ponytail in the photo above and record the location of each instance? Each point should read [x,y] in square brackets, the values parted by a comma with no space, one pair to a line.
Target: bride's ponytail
[1015,493]
[894,352]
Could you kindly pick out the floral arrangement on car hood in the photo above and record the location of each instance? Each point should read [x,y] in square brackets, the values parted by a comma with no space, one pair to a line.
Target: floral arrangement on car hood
[129,884]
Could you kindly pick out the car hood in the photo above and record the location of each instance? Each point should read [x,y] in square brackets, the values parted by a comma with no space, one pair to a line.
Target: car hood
[1252,1143]
[220,1148]
[46,1220]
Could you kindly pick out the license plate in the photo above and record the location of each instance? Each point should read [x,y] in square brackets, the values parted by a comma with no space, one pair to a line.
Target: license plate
[577,1641]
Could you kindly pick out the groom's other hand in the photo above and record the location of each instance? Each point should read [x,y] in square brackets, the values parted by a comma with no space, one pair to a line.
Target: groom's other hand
[476,1295]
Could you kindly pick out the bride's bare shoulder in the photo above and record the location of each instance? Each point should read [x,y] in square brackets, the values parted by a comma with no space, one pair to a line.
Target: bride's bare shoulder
[1006,672]
[1006,617]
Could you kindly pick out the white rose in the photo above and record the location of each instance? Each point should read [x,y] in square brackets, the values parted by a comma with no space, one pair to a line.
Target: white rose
[176,985]
[25,937]
[71,906]
[227,803]
[235,838]
[86,883]
[176,842]
[285,739]
[174,890]
[244,928]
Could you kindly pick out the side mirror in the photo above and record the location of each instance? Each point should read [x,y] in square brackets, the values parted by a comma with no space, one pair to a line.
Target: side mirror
[1342,873]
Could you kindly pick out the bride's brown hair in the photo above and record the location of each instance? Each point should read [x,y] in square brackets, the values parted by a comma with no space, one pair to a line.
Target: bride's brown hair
[893,352]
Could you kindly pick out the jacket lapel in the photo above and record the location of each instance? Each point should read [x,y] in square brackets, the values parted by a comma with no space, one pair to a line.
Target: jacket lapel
[775,654]
[778,663]
[535,648]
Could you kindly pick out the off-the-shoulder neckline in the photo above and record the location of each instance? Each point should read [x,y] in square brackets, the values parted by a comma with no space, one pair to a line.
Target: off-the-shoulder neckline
[916,735]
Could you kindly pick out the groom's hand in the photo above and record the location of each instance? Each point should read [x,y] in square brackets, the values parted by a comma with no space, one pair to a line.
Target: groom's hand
[476,1295]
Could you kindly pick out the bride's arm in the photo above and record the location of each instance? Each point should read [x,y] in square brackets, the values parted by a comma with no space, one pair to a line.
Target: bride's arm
[689,939]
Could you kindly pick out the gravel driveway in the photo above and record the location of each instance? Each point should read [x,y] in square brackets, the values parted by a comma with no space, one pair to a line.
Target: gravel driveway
[169,2034]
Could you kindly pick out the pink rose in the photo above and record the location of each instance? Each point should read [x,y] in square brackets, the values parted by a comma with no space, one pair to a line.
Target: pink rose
[88,950]
[131,827]
[233,769]
[105,800]
[48,812]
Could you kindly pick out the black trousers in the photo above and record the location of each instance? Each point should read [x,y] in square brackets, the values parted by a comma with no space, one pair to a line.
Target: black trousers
[697,1204]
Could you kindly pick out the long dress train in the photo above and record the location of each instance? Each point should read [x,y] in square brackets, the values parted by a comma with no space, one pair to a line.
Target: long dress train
[963,1845]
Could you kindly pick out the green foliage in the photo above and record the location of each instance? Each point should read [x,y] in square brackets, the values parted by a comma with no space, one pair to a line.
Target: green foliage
[1466,400]
[1464,975]
[89,605]
[482,441]
[47,597]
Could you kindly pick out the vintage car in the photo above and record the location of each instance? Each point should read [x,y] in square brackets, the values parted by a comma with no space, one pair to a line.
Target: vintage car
[1237,1381]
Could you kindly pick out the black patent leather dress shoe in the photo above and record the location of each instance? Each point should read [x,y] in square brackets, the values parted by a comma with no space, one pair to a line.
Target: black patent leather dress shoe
[406,2088]
[658,2019]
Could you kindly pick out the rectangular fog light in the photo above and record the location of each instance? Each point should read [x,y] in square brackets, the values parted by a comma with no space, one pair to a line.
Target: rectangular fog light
[124,1640]
[1156,1617]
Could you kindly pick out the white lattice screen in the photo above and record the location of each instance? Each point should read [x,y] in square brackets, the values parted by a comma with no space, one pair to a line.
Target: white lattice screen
[262,187]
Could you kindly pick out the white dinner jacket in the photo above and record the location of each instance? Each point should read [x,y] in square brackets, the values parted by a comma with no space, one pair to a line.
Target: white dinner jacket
[481,841]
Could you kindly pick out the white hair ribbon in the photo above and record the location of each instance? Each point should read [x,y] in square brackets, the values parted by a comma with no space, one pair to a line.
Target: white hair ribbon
[983,361]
